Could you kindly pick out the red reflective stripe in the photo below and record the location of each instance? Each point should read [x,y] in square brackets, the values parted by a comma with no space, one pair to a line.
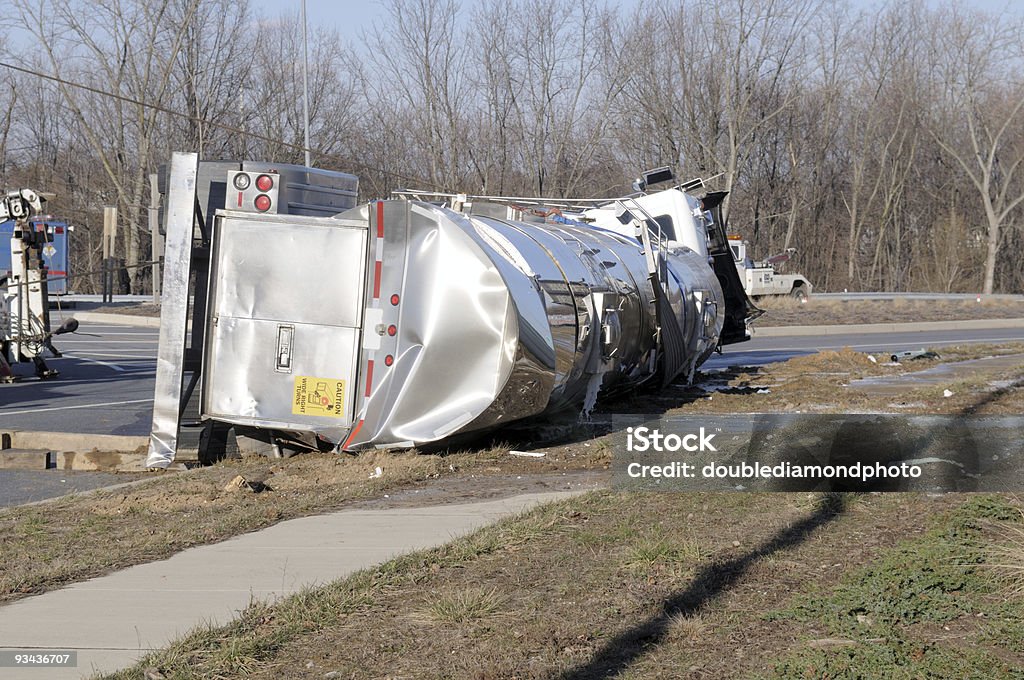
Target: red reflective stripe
[352,436]
[239,199]
[377,266]
[369,376]
[58,272]
[380,219]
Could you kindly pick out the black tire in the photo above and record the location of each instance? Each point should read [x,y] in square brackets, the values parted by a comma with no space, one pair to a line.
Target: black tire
[799,292]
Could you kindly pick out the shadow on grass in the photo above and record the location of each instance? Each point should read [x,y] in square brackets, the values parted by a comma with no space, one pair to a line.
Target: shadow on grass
[710,582]
[992,397]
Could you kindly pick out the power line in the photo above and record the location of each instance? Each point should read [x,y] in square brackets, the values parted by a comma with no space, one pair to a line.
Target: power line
[223,126]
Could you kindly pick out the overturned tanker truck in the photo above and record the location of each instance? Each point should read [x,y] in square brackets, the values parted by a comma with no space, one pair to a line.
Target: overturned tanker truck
[293,318]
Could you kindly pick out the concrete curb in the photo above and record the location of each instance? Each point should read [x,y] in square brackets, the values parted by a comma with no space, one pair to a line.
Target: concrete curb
[115,319]
[74,451]
[869,328]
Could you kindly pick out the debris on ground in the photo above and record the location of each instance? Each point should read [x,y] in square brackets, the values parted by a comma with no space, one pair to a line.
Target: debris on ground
[240,483]
[911,355]
[527,454]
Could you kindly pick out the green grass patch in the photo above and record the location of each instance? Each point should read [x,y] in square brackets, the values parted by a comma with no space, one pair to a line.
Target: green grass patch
[928,608]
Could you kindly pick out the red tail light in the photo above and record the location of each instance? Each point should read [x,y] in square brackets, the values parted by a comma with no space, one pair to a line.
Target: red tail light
[264,183]
[262,202]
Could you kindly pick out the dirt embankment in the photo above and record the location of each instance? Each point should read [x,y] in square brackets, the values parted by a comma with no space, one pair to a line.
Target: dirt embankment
[74,538]
[657,585]
[829,312]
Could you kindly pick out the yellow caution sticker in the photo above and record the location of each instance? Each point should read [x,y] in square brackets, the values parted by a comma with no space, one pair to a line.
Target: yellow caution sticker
[318,397]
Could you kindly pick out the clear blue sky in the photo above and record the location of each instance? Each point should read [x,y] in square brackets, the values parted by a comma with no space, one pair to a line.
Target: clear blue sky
[351,17]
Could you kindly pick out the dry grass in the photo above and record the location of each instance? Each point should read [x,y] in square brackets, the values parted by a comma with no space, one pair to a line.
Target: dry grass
[784,311]
[687,627]
[561,605]
[78,537]
[74,538]
[465,605]
[1006,558]
[817,383]
[664,552]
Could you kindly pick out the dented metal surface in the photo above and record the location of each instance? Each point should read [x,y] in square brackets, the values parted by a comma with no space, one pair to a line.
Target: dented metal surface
[402,322]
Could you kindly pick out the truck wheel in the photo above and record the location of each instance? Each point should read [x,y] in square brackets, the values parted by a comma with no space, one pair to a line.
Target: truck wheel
[798,293]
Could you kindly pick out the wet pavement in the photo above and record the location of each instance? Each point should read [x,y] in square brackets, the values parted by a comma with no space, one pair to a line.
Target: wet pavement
[944,374]
[25,486]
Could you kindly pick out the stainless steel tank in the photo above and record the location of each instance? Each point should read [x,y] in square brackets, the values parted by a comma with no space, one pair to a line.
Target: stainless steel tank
[500,320]
[402,322]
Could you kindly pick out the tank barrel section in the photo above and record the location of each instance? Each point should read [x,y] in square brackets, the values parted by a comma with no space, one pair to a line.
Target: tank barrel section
[402,322]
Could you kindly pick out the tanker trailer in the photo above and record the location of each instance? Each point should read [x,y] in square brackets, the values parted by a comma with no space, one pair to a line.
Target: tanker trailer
[402,322]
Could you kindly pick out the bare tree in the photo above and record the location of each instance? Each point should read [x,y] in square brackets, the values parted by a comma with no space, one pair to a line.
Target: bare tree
[8,104]
[123,46]
[981,115]
[212,66]
[422,69]
[887,146]
[550,90]
[270,100]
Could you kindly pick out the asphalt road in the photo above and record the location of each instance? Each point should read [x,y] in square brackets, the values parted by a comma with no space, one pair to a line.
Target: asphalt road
[24,486]
[105,384]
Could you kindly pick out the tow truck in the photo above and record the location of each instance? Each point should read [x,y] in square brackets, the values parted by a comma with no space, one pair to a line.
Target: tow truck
[760,278]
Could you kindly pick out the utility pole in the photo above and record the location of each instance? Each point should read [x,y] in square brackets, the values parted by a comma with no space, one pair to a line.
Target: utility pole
[156,241]
[305,85]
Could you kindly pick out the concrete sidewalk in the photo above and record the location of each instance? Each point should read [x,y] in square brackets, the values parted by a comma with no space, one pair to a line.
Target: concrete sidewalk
[114,620]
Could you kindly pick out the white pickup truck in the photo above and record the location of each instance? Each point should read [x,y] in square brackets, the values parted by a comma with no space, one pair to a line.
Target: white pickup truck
[760,278]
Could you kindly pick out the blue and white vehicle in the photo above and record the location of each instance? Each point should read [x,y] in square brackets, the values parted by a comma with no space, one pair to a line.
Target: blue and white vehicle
[55,252]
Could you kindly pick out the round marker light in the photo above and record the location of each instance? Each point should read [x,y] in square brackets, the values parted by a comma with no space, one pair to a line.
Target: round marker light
[242,181]
[394,299]
[262,203]
[388,360]
[264,182]
[392,330]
